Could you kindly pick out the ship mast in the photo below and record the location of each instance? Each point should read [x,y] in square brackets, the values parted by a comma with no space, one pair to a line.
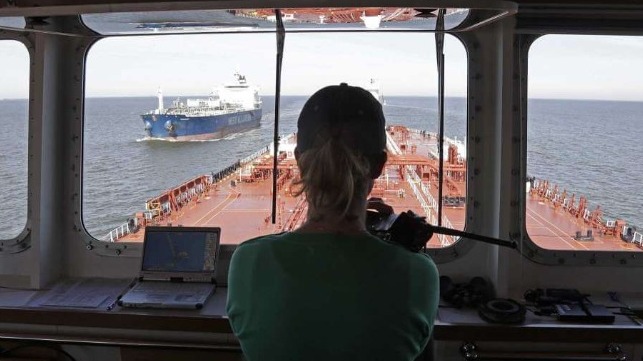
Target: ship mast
[160,96]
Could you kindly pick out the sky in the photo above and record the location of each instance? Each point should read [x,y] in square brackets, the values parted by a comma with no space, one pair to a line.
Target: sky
[560,66]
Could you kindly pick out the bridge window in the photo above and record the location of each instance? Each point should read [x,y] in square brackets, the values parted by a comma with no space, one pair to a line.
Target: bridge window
[398,69]
[12,22]
[132,178]
[584,141]
[152,161]
[14,77]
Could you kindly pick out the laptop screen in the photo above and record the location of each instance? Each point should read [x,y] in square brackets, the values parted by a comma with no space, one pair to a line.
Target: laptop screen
[180,249]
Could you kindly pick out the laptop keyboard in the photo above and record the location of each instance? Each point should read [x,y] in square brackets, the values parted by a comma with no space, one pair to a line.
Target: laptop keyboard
[195,289]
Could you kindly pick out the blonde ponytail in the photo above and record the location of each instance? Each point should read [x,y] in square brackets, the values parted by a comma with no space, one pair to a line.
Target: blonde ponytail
[332,176]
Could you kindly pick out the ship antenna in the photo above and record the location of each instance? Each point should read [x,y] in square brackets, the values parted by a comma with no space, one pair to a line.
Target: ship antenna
[160,96]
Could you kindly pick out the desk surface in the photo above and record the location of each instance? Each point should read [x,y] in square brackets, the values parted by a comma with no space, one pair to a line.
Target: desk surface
[23,316]
[28,314]
[466,325]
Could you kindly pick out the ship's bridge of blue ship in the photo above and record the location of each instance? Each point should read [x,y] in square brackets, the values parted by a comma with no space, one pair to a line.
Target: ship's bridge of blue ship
[520,124]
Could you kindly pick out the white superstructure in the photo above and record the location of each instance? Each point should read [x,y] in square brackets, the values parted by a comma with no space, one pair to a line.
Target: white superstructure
[238,94]
[375,89]
[227,98]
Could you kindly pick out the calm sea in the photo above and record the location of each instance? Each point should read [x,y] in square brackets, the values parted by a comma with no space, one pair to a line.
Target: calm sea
[588,147]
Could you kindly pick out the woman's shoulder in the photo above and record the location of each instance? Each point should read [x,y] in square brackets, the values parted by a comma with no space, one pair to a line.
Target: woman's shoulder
[261,241]
[423,260]
[420,261]
[424,263]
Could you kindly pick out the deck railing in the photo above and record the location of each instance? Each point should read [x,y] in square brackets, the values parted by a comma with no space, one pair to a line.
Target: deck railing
[638,238]
[254,156]
[446,240]
[296,216]
[122,230]
[418,194]
[412,177]
[423,192]
[391,143]
[183,197]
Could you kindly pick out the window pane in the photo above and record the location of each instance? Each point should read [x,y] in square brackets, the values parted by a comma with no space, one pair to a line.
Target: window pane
[14,91]
[12,22]
[156,167]
[175,22]
[227,182]
[400,68]
[584,143]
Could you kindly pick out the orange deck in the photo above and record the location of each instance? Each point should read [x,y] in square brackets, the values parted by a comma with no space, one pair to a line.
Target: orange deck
[553,228]
[242,208]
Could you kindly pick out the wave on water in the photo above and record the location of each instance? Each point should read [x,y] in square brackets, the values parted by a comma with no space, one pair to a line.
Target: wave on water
[232,136]
[169,140]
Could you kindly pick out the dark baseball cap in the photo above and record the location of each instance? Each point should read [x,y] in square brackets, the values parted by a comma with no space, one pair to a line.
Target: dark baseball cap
[347,113]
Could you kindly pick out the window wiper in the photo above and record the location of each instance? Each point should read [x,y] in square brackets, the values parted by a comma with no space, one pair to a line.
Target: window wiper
[439,50]
[281,37]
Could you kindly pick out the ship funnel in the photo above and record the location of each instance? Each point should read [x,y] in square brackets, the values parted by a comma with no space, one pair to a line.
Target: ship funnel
[160,96]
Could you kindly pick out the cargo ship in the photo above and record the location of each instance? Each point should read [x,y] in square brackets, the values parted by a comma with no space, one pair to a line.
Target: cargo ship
[239,198]
[231,108]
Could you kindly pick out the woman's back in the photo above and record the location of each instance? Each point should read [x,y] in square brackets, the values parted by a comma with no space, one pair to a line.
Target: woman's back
[329,290]
[330,296]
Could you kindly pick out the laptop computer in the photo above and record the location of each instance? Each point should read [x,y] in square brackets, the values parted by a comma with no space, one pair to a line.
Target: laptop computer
[177,269]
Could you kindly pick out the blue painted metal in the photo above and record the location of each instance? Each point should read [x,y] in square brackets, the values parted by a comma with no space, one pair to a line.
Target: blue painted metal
[182,127]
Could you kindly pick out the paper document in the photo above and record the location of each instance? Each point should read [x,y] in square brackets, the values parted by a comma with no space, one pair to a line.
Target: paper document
[84,293]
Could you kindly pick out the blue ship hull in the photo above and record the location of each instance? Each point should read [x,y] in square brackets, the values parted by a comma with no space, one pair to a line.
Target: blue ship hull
[181,128]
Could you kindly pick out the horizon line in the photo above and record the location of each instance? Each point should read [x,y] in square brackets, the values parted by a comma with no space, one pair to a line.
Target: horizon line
[307,95]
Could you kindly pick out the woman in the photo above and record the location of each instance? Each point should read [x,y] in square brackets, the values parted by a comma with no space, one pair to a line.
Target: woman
[329,290]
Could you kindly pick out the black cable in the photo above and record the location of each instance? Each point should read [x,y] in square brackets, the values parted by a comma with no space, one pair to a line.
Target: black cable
[8,351]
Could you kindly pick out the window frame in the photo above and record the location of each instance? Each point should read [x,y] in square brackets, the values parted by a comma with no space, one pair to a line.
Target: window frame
[446,254]
[22,240]
[529,248]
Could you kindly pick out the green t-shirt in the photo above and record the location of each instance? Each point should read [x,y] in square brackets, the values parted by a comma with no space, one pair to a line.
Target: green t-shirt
[295,296]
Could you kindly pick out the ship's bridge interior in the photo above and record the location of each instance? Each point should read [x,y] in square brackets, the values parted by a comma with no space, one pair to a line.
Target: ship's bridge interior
[516,122]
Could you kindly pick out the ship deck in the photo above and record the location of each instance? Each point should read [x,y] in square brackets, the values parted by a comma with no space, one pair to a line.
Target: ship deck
[553,228]
[241,206]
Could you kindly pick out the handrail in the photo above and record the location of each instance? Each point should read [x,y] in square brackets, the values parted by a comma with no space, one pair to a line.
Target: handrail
[295,215]
[550,192]
[413,179]
[638,238]
[159,208]
[253,156]
[121,231]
